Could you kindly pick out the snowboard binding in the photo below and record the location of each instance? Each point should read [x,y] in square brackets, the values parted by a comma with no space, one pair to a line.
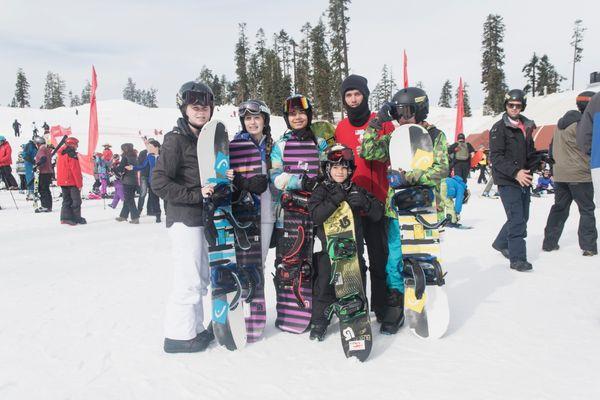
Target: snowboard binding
[251,278]
[341,249]
[295,201]
[225,277]
[423,270]
[413,198]
[347,308]
[290,274]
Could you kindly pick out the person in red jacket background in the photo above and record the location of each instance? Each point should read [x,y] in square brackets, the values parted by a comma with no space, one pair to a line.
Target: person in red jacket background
[70,180]
[5,162]
[371,176]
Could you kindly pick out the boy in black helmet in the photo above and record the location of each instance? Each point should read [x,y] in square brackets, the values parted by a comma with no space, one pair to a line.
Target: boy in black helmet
[511,143]
[327,196]
[176,179]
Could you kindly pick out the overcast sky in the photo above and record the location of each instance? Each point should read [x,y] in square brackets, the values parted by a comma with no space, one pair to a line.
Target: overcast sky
[165,43]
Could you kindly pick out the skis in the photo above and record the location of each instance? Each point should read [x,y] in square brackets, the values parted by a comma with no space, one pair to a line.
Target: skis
[426,302]
[220,230]
[351,306]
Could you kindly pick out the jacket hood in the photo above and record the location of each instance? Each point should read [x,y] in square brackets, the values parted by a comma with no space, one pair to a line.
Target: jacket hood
[569,118]
[526,121]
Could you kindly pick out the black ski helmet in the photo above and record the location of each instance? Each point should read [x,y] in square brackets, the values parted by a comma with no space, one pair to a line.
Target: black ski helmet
[338,154]
[416,99]
[516,95]
[195,93]
[254,107]
[583,99]
[297,101]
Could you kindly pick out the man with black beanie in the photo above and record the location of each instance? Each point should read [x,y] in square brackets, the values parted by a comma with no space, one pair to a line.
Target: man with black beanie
[370,175]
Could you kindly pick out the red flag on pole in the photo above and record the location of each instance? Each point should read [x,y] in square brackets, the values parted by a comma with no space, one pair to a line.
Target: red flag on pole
[460,111]
[87,160]
[405,69]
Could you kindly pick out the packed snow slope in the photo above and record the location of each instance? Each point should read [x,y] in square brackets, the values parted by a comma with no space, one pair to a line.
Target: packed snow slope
[82,310]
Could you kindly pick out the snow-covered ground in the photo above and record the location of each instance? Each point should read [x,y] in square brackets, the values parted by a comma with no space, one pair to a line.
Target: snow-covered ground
[82,311]
[81,308]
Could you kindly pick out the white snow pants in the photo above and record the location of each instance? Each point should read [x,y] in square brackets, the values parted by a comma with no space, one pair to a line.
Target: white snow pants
[184,314]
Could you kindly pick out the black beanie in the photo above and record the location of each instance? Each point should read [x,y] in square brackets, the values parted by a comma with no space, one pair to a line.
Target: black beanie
[360,115]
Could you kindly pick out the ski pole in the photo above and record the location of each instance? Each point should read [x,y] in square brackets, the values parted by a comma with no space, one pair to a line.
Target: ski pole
[13,197]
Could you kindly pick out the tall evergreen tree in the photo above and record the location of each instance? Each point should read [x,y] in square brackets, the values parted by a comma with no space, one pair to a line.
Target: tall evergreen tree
[577,39]
[492,62]
[242,54]
[74,100]
[54,90]
[446,95]
[338,28]
[130,91]
[466,100]
[548,78]
[21,98]
[273,82]
[303,71]
[384,90]
[321,72]
[530,72]
[86,93]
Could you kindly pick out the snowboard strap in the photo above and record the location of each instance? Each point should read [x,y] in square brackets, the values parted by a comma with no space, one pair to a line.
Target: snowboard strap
[418,277]
[339,249]
[297,246]
[347,308]
[291,274]
[253,279]
[295,201]
[226,277]
[239,231]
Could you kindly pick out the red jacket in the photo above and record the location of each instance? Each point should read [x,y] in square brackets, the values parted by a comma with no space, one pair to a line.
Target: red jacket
[370,175]
[107,155]
[5,154]
[68,171]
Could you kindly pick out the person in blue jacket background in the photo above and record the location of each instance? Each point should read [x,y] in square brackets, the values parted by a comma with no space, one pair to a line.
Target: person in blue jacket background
[454,194]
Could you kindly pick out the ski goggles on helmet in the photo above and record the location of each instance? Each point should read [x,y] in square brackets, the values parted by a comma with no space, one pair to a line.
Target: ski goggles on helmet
[198,98]
[342,154]
[253,108]
[406,111]
[299,101]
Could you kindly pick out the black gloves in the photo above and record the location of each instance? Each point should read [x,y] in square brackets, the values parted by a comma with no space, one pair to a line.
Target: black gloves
[308,184]
[357,200]
[386,113]
[336,193]
[257,184]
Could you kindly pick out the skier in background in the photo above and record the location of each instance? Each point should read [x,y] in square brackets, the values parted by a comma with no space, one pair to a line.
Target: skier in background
[5,165]
[370,175]
[143,178]
[543,184]
[29,153]
[70,180]
[117,184]
[454,194]
[43,163]
[17,128]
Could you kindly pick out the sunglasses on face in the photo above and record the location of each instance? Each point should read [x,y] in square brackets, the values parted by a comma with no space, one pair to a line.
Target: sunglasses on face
[514,106]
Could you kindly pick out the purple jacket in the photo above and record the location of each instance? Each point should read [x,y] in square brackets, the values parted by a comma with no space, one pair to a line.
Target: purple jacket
[43,159]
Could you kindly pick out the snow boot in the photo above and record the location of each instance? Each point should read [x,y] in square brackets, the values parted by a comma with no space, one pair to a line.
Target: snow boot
[158,218]
[68,222]
[521,266]
[42,210]
[503,251]
[135,221]
[318,331]
[589,253]
[550,248]
[394,313]
[195,345]
[120,219]
[81,221]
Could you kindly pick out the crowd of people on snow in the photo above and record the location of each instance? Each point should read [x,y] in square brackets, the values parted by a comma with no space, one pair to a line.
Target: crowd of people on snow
[355,169]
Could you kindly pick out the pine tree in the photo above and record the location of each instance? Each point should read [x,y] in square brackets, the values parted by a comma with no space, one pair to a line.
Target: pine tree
[74,100]
[492,62]
[242,53]
[130,92]
[303,71]
[530,71]
[257,65]
[577,38]
[86,93]
[272,81]
[466,101]
[384,90]
[53,91]
[148,98]
[21,98]
[548,79]
[338,28]
[446,95]
[321,72]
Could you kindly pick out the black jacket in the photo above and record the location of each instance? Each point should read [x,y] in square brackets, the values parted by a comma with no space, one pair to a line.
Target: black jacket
[142,159]
[509,149]
[321,207]
[127,177]
[176,177]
